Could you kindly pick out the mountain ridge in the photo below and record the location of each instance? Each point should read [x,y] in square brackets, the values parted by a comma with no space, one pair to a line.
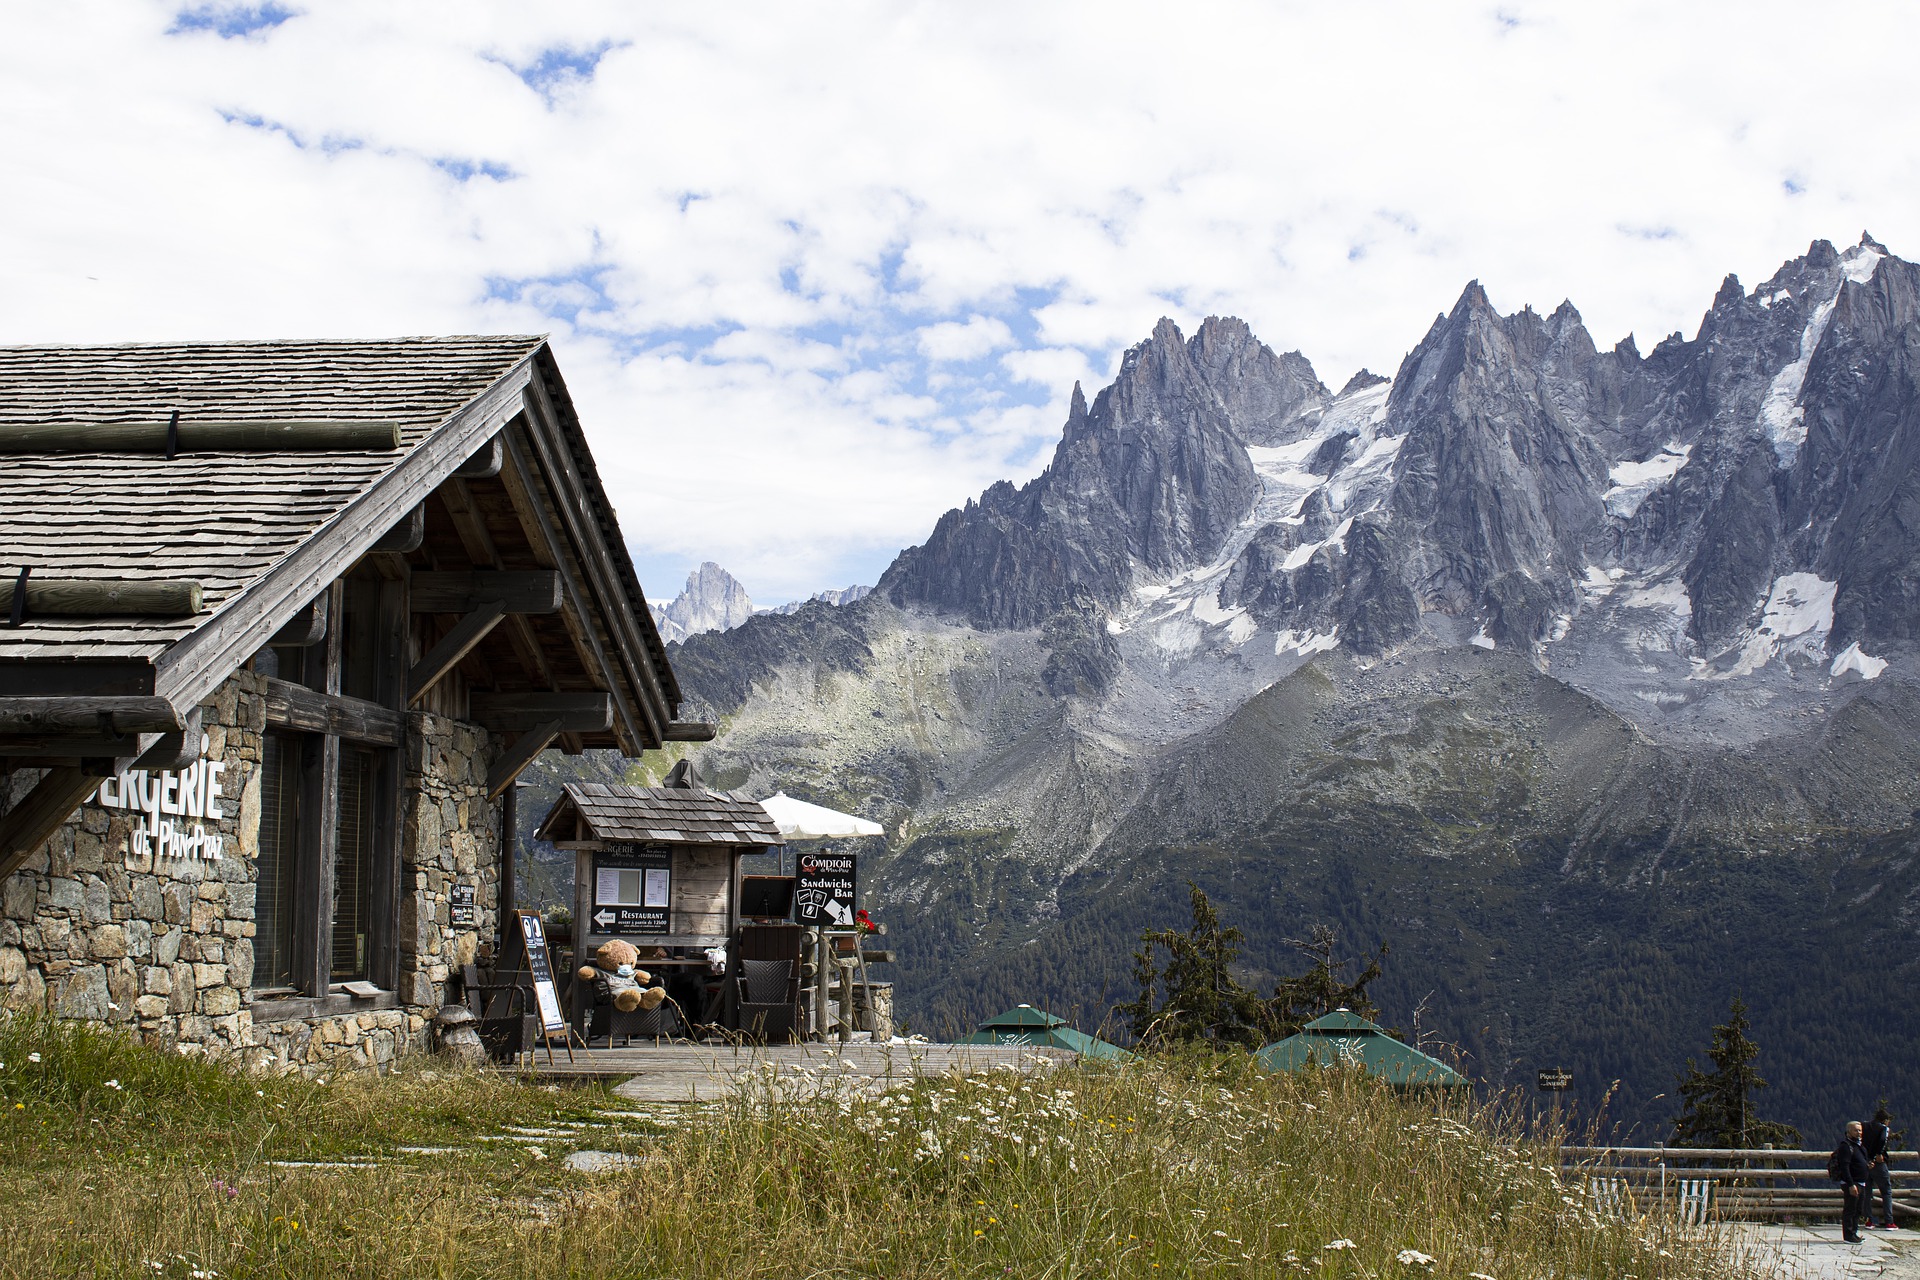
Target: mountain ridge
[1699,563]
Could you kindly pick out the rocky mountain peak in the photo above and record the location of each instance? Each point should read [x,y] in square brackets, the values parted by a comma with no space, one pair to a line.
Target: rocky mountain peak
[712,600]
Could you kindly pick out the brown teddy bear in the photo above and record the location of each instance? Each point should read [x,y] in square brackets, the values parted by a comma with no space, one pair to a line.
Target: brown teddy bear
[620,983]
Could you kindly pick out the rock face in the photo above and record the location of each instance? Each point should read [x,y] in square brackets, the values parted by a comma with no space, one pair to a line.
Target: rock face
[712,600]
[1623,645]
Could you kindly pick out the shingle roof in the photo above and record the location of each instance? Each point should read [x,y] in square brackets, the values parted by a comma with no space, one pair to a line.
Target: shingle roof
[222,519]
[666,815]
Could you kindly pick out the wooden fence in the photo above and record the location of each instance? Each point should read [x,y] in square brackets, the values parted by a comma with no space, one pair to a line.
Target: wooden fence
[1701,1184]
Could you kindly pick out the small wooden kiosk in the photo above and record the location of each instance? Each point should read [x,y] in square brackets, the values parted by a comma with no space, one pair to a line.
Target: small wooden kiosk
[660,868]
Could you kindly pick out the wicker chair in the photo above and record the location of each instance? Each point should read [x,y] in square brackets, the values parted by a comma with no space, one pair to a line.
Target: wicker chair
[767,1002]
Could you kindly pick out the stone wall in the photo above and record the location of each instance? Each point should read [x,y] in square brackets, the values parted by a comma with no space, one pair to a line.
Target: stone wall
[452,837]
[103,925]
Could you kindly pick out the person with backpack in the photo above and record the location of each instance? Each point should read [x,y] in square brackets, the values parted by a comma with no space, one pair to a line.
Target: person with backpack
[1875,1140]
[1848,1167]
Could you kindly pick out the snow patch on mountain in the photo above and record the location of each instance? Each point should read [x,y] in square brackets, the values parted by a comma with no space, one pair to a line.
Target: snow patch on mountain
[1633,481]
[1866,666]
[1796,619]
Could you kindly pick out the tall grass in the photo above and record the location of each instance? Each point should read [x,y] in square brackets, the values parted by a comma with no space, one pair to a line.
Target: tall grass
[1169,1167]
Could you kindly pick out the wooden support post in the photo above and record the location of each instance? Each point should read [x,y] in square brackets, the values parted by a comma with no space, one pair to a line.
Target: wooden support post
[26,826]
[389,794]
[846,999]
[319,833]
[455,645]
[519,756]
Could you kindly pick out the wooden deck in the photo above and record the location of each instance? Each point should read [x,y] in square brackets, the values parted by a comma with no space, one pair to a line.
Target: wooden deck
[700,1072]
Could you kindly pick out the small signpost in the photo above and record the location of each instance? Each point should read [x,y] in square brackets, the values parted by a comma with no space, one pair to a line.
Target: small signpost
[463,907]
[826,890]
[1554,1079]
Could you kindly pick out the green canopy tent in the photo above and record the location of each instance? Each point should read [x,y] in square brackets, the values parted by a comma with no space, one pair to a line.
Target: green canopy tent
[1025,1024]
[1342,1038]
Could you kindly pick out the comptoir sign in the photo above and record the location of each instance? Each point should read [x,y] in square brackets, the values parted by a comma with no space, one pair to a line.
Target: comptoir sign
[169,803]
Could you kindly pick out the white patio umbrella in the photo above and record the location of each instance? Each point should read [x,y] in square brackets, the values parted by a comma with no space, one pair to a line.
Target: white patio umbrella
[799,820]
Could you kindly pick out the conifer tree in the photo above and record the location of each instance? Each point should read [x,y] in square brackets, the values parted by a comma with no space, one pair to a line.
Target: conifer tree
[1201,1002]
[1719,1104]
[1195,998]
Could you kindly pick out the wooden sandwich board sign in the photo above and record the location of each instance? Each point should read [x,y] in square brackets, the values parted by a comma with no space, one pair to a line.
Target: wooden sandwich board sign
[533,939]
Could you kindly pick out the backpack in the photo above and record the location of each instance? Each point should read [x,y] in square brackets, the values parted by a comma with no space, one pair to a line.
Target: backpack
[1837,1163]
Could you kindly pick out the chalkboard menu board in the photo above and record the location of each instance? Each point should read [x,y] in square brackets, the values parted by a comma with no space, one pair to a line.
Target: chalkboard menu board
[825,891]
[632,891]
[533,935]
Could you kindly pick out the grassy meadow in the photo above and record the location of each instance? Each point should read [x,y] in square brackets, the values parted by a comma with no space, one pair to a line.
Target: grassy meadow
[120,1160]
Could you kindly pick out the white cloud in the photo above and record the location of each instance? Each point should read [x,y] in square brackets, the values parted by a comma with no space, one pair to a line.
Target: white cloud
[952,341]
[792,255]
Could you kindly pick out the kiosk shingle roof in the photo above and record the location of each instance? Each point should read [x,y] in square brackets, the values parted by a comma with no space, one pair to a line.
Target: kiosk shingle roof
[670,815]
[222,519]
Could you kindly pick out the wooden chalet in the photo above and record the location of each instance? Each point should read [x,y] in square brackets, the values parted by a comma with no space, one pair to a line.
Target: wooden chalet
[280,623]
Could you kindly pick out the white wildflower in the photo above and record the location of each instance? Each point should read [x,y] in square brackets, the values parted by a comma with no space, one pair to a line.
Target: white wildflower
[114,1085]
[1413,1258]
[1478,1275]
[33,1057]
[1341,1243]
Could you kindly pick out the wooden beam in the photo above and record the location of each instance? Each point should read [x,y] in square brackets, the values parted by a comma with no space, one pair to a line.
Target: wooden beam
[575,712]
[309,626]
[405,536]
[61,677]
[455,645]
[535,591]
[294,706]
[485,462]
[521,754]
[108,717]
[468,523]
[174,750]
[691,731]
[471,526]
[517,479]
[45,748]
[26,826]
[190,670]
[619,608]
[87,597]
[206,436]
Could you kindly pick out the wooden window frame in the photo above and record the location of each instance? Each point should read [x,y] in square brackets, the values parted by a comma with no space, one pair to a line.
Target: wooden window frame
[317,847]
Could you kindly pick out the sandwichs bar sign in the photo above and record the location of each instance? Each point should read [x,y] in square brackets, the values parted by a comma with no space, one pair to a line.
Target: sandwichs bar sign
[170,805]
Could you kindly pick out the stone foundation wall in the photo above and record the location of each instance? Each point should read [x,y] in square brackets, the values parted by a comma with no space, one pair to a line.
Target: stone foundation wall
[103,924]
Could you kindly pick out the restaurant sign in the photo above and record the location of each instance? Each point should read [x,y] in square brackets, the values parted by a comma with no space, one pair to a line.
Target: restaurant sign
[826,889]
[173,807]
[632,891]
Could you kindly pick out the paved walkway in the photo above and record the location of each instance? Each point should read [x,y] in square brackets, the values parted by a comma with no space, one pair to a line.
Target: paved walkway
[702,1072]
[1818,1253]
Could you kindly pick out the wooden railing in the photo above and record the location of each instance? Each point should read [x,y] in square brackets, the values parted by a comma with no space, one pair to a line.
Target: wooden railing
[1701,1183]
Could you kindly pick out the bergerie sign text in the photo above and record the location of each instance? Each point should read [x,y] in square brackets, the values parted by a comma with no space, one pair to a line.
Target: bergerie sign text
[171,806]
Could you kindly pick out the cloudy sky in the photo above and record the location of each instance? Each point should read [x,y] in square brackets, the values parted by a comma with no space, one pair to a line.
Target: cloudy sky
[816,273]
